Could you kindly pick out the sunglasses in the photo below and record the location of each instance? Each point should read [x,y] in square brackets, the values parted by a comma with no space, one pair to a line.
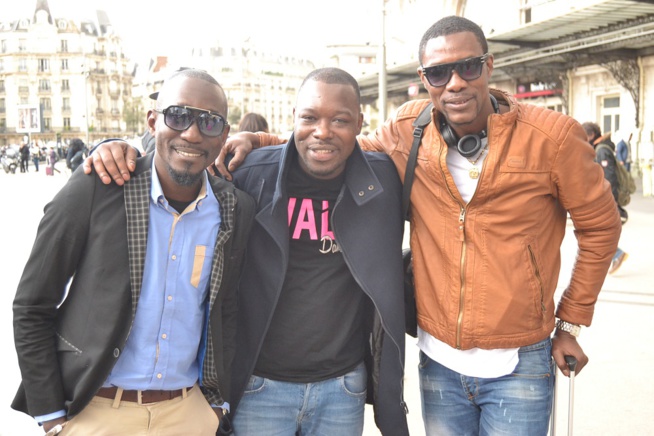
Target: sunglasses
[180,118]
[467,69]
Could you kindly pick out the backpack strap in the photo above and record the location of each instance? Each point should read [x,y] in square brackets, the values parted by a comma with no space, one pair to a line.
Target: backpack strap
[419,125]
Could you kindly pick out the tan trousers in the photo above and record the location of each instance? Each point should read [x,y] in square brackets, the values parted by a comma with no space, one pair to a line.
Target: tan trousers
[182,416]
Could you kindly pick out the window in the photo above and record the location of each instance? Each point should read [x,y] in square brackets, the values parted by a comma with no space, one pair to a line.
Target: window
[47,124]
[66,123]
[44,85]
[610,113]
[3,124]
[2,104]
[3,46]
[22,65]
[2,86]
[22,45]
[46,105]
[44,65]
[65,85]
[65,103]
[64,46]
[64,64]
[2,65]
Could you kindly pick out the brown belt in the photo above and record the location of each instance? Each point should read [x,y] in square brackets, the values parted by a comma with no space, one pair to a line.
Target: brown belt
[146,396]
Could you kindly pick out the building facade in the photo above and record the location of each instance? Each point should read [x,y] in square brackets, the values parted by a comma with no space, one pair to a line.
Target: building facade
[72,76]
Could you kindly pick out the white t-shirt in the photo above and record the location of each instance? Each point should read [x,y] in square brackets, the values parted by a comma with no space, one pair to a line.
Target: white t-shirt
[475,362]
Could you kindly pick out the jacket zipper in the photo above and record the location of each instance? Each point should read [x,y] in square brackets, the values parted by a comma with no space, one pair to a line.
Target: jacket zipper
[462,236]
[532,256]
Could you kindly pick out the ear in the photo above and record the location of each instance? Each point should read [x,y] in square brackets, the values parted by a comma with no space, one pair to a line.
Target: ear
[489,64]
[152,121]
[360,123]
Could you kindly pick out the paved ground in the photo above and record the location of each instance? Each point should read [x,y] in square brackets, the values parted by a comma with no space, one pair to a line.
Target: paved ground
[612,395]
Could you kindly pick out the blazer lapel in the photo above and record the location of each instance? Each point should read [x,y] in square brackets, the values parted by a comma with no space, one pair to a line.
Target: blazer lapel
[137,206]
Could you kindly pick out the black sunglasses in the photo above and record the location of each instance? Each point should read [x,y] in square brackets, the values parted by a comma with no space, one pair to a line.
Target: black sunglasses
[468,69]
[180,118]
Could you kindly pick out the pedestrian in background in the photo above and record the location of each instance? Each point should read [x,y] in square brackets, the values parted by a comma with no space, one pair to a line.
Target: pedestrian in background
[35,153]
[253,122]
[51,160]
[605,156]
[24,157]
[75,154]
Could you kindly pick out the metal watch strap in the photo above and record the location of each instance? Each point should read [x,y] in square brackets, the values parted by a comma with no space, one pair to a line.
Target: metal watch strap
[565,326]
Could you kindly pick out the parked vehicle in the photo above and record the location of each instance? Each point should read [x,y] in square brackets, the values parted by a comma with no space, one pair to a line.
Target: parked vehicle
[10,160]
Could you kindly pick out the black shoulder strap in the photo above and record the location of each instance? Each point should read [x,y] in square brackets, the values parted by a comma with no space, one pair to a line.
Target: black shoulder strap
[419,125]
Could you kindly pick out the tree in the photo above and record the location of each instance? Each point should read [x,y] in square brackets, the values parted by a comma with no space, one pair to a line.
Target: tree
[134,116]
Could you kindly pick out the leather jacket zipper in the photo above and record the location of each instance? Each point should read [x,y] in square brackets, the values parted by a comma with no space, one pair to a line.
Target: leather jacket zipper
[532,256]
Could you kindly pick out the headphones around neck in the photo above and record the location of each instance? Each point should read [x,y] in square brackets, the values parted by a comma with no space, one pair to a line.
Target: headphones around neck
[469,145]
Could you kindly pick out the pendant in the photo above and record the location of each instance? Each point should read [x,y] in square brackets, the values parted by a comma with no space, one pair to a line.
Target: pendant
[473,173]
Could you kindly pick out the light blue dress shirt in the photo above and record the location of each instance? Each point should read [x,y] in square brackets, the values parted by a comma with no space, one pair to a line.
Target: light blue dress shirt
[162,349]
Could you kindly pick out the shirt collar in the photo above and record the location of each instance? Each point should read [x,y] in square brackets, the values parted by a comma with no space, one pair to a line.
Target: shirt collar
[158,197]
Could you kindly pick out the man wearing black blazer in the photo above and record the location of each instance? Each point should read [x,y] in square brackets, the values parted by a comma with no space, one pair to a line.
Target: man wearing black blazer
[145,331]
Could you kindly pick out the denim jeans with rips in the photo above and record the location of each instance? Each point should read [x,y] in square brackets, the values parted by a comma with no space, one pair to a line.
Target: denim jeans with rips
[326,408]
[516,404]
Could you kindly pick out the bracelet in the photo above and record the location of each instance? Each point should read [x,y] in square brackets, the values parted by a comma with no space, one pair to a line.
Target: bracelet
[56,429]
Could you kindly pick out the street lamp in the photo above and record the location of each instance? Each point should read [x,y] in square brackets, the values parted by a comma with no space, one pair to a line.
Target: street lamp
[86,104]
[382,67]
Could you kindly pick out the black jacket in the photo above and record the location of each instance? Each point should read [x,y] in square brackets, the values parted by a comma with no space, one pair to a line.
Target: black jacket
[97,234]
[368,225]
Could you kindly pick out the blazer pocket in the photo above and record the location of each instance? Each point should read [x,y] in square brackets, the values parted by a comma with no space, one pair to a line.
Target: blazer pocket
[198,263]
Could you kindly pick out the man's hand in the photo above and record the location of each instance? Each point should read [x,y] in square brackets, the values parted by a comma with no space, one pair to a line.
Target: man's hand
[564,344]
[48,425]
[240,145]
[112,160]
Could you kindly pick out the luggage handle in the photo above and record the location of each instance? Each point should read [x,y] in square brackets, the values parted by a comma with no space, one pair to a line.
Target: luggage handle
[571,361]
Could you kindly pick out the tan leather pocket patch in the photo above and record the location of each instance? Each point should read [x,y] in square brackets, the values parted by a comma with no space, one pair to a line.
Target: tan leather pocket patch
[198,262]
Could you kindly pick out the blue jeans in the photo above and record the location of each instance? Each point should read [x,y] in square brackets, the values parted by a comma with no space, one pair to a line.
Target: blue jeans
[330,407]
[515,404]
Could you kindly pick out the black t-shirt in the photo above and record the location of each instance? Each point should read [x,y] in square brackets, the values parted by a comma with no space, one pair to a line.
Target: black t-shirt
[317,330]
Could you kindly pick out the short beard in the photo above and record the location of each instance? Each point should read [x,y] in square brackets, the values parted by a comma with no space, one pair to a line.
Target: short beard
[184,178]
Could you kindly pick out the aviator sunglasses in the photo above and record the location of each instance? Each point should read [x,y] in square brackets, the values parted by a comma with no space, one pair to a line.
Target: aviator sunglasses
[467,69]
[180,118]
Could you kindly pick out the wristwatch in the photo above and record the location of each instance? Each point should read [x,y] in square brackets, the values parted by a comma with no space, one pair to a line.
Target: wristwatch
[565,326]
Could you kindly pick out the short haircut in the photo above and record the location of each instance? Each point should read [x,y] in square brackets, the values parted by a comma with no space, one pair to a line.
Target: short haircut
[193,73]
[592,129]
[334,76]
[448,26]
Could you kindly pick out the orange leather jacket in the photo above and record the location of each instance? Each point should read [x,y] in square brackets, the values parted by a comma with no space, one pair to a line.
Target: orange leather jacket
[486,271]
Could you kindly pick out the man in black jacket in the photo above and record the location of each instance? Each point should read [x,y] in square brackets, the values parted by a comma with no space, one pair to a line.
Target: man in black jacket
[143,339]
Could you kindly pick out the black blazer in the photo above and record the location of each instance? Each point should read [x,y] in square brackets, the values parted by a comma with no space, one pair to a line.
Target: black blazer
[97,234]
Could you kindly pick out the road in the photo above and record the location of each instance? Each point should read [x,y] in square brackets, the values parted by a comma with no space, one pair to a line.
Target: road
[612,394]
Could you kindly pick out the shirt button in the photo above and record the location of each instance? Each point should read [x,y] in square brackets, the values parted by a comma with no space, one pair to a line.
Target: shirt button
[371,187]
[164,336]
[159,376]
[361,193]
[116,352]
[170,298]
[174,257]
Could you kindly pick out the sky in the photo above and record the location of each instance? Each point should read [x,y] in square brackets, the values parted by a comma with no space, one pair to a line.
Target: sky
[156,27]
